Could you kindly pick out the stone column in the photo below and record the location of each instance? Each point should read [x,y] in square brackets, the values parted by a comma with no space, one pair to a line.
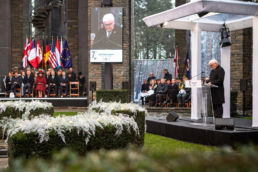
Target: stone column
[5,37]
[255,72]
[225,63]
[196,71]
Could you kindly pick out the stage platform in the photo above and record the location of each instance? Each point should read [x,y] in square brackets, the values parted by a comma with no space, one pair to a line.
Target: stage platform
[56,101]
[193,131]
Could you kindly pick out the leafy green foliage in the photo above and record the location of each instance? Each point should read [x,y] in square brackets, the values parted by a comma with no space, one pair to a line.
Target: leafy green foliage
[122,96]
[27,145]
[244,159]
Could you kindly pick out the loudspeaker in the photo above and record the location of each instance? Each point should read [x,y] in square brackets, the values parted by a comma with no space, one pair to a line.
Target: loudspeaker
[125,85]
[106,3]
[224,123]
[93,86]
[243,84]
[172,117]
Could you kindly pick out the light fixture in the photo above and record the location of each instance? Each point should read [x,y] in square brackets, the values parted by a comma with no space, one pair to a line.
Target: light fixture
[225,36]
[163,24]
[203,13]
[106,3]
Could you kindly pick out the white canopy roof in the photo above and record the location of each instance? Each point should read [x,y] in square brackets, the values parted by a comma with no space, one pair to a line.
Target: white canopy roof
[235,14]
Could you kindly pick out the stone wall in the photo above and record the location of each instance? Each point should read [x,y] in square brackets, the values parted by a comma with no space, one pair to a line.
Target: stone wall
[17,33]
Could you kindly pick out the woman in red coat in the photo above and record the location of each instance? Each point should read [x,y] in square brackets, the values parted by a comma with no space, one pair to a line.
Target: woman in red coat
[41,84]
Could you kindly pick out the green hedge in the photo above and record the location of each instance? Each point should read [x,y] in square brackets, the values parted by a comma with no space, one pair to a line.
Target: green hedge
[122,96]
[27,145]
[139,118]
[12,112]
[244,160]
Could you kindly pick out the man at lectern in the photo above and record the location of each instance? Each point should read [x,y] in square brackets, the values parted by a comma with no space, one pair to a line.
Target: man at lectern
[217,92]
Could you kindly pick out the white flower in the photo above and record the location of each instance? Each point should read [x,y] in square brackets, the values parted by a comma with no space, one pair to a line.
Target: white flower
[84,122]
[108,107]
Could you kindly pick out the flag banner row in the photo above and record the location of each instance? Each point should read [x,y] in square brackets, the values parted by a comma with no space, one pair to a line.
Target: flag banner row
[57,55]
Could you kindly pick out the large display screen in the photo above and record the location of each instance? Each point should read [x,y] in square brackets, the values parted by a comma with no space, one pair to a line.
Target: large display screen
[106,35]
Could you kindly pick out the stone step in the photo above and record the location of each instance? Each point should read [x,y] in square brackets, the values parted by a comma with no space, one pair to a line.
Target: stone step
[3,153]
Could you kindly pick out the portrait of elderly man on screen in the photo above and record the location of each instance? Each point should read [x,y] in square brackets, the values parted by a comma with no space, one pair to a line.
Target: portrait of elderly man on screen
[109,36]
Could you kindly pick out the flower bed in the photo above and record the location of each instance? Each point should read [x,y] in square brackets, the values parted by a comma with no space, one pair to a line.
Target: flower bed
[21,109]
[130,109]
[43,135]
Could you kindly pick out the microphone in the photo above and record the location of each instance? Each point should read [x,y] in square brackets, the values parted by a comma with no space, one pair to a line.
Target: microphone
[197,75]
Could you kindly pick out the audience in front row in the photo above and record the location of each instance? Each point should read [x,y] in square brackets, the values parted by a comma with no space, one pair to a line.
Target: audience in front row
[42,85]
[165,91]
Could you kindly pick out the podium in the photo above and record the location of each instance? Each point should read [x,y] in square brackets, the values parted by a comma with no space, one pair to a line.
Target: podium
[202,97]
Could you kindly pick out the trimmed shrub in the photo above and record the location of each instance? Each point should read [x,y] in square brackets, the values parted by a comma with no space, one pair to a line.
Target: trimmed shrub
[137,160]
[21,109]
[129,109]
[44,135]
[122,96]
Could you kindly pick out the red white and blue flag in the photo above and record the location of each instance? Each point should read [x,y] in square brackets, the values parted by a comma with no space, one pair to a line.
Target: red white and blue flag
[58,54]
[176,66]
[52,57]
[26,53]
[33,55]
[39,53]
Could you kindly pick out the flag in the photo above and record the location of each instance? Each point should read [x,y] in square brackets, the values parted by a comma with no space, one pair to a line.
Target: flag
[66,59]
[33,54]
[187,65]
[58,54]
[52,56]
[46,55]
[176,66]
[25,53]
[39,56]
[61,47]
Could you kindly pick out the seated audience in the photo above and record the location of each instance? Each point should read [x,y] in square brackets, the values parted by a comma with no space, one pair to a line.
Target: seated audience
[28,82]
[52,83]
[172,91]
[16,83]
[63,84]
[161,92]
[41,84]
[81,80]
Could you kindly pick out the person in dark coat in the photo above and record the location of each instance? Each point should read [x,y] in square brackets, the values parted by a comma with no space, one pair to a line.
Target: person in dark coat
[63,84]
[172,91]
[161,92]
[16,82]
[28,82]
[8,82]
[81,80]
[73,75]
[110,36]
[52,83]
[167,75]
[217,78]
[151,77]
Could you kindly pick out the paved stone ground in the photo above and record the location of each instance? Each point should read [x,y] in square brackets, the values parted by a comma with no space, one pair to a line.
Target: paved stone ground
[3,161]
[70,109]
